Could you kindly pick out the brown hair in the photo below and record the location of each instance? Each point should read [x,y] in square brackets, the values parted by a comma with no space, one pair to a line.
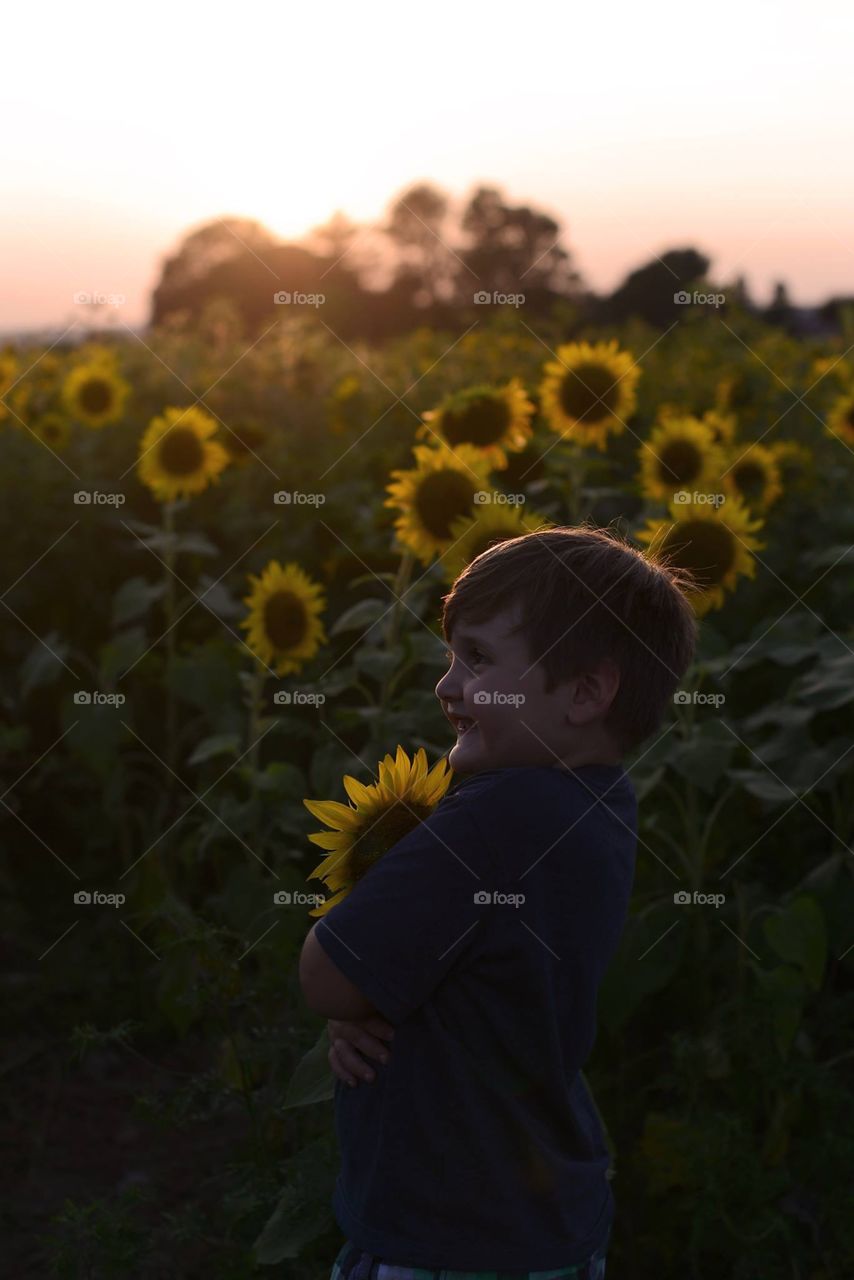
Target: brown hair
[586,595]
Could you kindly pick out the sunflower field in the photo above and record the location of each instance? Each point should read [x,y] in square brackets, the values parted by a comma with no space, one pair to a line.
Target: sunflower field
[224,561]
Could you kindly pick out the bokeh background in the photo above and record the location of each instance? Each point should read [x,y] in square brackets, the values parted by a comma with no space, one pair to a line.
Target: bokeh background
[301,311]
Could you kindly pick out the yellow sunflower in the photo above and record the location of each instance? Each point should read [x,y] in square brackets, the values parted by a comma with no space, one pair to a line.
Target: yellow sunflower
[753,476]
[386,811]
[176,455]
[680,454]
[714,543]
[840,420]
[284,620]
[441,487]
[53,429]
[493,419]
[589,391]
[493,523]
[95,393]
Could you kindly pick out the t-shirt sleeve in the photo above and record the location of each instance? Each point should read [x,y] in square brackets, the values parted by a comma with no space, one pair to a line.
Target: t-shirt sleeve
[414,915]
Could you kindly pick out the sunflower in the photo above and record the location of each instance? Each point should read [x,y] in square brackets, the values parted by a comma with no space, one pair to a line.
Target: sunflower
[95,393]
[713,543]
[589,391]
[284,620]
[840,420]
[754,477]
[386,811]
[680,454]
[53,429]
[8,369]
[441,487]
[176,456]
[493,419]
[721,425]
[493,523]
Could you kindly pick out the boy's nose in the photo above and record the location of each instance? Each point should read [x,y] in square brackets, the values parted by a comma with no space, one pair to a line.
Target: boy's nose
[445,688]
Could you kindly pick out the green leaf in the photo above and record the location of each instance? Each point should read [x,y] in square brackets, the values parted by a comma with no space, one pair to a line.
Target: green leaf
[219,744]
[377,663]
[134,598]
[360,616]
[829,685]
[119,654]
[313,1079]
[42,664]
[784,990]
[763,785]
[797,933]
[705,756]
[304,1210]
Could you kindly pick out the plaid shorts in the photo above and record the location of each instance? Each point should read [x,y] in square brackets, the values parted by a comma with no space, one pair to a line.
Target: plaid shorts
[355,1264]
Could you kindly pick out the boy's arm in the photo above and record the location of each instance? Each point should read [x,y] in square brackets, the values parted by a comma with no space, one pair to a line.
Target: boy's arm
[326,990]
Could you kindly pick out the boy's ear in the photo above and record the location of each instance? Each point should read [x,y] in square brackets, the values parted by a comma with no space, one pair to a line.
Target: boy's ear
[591,694]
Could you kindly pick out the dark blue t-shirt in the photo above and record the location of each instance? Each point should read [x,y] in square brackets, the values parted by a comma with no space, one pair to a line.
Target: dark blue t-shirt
[478,1147]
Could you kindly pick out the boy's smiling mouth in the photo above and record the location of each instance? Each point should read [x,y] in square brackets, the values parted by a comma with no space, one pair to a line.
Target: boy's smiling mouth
[461,723]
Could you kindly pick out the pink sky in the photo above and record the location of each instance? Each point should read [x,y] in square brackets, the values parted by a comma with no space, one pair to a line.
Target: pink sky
[638,131]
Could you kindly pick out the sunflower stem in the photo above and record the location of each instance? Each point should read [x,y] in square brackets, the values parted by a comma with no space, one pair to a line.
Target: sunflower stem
[256,690]
[168,512]
[401,584]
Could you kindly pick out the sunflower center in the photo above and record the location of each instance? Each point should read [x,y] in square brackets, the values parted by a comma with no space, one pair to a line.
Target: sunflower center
[284,619]
[383,833]
[95,395]
[483,421]
[442,497]
[681,461]
[750,479]
[705,547]
[181,451]
[589,392]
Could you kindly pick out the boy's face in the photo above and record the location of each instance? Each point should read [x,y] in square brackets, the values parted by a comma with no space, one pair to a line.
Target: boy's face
[515,722]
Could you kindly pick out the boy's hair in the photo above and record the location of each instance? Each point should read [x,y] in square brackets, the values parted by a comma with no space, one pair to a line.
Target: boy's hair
[587,595]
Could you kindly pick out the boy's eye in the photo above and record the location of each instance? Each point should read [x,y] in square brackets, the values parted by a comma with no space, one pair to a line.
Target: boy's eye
[475,654]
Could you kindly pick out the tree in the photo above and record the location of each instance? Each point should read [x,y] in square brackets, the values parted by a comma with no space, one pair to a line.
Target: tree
[513,250]
[416,226]
[649,293]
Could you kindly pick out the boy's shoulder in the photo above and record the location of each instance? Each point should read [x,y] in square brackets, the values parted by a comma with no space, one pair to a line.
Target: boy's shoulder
[496,793]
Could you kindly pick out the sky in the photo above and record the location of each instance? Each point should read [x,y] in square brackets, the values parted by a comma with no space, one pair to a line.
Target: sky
[638,128]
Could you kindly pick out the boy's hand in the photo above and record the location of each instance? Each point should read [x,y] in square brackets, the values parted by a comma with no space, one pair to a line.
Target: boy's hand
[350,1040]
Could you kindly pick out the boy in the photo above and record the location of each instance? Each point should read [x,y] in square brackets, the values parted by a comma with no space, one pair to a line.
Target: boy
[484,934]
